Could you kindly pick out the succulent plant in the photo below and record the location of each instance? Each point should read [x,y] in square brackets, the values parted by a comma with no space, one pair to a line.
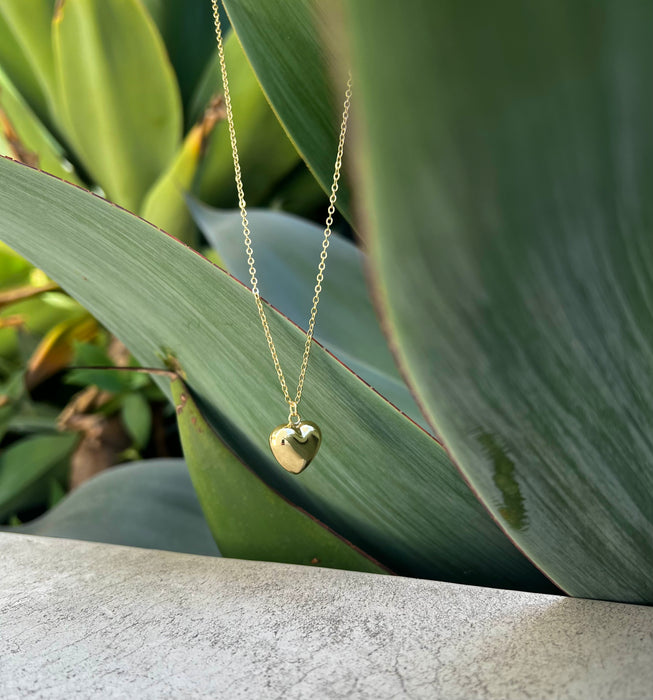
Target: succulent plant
[502,167]
[74,101]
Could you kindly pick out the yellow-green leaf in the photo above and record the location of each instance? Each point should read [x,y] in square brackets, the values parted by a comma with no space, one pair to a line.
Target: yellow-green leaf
[57,348]
[165,204]
[118,94]
[26,51]
[266,153]
[25,137]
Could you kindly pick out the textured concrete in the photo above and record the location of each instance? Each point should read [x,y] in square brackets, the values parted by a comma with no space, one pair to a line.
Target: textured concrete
[84,620]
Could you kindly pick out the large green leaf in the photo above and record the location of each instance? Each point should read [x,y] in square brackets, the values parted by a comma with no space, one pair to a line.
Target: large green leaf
[286,264]
[249,520]
[379,480]
[511,219]
[266,155]
[148,504]
[284,43]
[26,466]
[118,94]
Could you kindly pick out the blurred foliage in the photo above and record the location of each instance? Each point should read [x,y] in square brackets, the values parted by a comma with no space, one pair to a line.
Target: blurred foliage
[59,426]
[109,113]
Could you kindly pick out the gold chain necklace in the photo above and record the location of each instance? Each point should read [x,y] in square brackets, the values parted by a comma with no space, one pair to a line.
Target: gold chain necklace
[295,443]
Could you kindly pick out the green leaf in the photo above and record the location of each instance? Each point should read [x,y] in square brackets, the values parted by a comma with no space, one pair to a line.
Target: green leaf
[299,193]
[39,314]
[508,192]
[118,94]
[137,418]
[105,379]
[15,114]
[165,204]
[287,252]
[284,43]
[26,51]
[187,30]
[101,371]
[15,271]
[56,492]
[380,481]
[12,398]
[32,417]
[266,155]
[248,519]
[147,504]
[26,468]
[210,84]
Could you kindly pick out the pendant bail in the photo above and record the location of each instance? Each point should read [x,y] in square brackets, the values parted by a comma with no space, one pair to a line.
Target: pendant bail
[293,416]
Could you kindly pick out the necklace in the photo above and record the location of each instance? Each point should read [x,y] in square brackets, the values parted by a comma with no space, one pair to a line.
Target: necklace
[295,443]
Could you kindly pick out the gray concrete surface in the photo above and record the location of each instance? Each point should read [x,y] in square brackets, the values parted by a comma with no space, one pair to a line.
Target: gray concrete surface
[85,620]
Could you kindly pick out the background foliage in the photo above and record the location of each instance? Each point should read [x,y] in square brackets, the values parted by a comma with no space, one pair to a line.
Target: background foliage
[74,102]
[501,188]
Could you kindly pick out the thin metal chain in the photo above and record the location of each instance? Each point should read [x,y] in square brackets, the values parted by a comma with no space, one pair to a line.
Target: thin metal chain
[292,403]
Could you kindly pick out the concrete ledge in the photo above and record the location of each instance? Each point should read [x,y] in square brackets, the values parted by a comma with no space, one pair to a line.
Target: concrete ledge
[82,620]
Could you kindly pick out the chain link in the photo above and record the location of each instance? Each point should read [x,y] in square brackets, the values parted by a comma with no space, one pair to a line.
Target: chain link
[293,417]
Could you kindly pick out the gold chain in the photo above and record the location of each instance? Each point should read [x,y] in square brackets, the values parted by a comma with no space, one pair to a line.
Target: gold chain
[292,404]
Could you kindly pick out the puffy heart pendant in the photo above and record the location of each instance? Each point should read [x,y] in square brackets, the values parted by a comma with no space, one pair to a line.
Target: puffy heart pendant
[294,446]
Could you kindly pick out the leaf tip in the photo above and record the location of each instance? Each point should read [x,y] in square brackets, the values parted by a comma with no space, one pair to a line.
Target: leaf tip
[57,16]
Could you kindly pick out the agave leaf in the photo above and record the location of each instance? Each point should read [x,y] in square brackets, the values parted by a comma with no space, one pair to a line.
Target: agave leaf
[26,51]
[26,138]
[15,64]
[248,519]
[510,185]
[165,204]
[266,155]
[147,504]
[287,252]
[118,95]
[25,467]
[283,43]
[381,481]
[136,416]
[187,30]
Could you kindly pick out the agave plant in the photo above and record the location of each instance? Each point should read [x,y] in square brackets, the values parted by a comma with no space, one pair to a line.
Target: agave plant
[500,184]
[67,106]
[101,94]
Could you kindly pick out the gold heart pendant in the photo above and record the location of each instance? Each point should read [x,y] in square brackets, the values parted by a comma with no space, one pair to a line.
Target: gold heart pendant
[294,446]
